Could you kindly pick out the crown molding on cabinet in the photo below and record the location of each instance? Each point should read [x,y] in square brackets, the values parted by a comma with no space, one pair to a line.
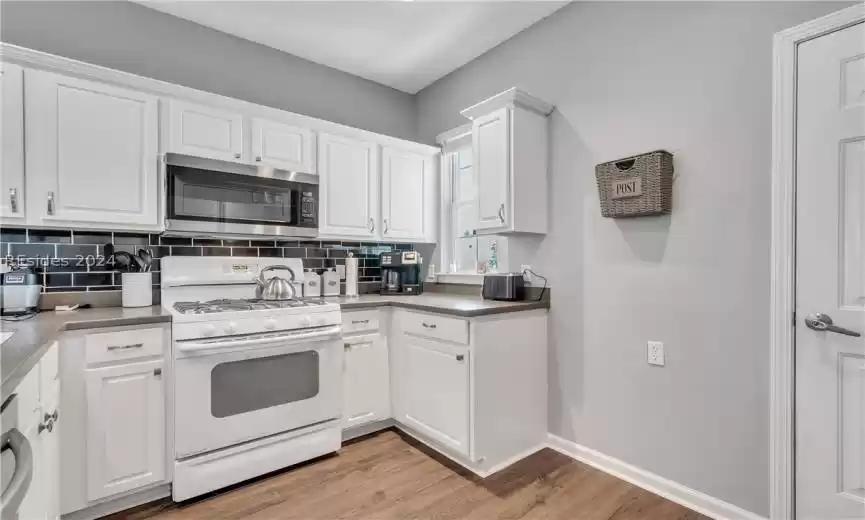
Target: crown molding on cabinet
[511,97]
[455,138]
[40,60]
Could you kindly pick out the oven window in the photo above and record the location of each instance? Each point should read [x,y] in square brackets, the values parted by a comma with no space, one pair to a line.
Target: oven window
[254,384]
[224,197]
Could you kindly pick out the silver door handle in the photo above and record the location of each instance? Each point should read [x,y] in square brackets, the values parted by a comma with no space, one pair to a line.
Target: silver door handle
[502,213]
[371,225]
[822,322]
[125,347]
[13,199]
[385,225]
[50,202]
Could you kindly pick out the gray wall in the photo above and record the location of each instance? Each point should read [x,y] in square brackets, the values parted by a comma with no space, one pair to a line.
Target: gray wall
[695,79]
[126,36]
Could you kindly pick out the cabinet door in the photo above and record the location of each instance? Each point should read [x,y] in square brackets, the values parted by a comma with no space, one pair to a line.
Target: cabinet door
[50,444]
[434,391]
[125,428]
[348,189]
[492,164]
[283,146]
[11,144]
[406,178]
[29,418]
[91,153]
[367,381]
[204,131]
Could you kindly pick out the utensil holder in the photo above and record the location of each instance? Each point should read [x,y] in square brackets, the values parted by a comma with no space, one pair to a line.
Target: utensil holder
[137,289]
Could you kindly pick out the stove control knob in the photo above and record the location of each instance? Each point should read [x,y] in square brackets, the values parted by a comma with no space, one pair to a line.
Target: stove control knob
[208,329]
[306,321]
[231,328]
[270,324]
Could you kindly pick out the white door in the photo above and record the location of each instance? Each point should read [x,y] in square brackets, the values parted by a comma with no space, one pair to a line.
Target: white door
[491,146]
[11,144]
[830,364]
[126,435]
[434,388]
[91,153]
[405,178]
[204,131]
[348,190]
[283,146]
[366,394]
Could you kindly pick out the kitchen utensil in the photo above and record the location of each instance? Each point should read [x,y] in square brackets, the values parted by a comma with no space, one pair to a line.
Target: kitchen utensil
[275,288]
[147,257]
[123,261]
[137,263]
[108,253]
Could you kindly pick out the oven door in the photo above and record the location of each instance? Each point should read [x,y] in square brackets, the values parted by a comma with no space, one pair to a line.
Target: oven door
[236,389]
[206,196]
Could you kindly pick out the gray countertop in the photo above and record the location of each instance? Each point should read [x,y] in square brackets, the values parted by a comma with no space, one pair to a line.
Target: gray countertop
[33,336]
[442,303]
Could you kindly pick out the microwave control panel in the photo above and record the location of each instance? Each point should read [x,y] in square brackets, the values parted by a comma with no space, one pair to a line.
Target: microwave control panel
[308,212]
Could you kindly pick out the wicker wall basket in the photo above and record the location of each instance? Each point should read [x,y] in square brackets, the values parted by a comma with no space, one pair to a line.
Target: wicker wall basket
[637,186]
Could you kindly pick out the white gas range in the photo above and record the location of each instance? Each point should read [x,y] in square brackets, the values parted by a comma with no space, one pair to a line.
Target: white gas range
[258,384]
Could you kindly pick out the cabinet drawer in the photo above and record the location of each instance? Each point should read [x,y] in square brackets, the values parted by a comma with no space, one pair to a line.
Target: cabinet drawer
[123,345]
[360,321]
[437,327]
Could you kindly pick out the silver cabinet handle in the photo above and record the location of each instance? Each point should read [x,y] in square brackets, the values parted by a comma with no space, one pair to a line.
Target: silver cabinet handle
[502,213]
[385,225]
[822,322]
[258,159]
[50,202]
[125,347]
[45,426]
[371,225]
[359,322]
[428,325]
[460,357]
[13,199]
[52,416]
[237,156]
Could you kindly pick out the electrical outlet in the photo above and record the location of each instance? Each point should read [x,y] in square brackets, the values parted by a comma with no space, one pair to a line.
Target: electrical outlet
[655,353]
[527,275]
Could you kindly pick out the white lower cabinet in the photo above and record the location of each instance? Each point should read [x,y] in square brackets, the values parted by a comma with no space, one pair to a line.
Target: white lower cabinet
[115,440]
[38,398]
[434,391]
[366,384]
[125,428]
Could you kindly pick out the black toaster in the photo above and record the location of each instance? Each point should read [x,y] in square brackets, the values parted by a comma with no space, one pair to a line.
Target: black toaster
[504,286]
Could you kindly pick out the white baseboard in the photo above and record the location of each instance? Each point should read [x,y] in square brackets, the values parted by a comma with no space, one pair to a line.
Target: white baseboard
[673,491]
[123,503]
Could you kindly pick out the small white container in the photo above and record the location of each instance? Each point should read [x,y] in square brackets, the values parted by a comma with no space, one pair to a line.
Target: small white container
[330,282]
[311,284]
[137,290]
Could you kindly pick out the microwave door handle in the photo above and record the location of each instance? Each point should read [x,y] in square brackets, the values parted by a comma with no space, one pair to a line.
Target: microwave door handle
[196,346]
[13,495]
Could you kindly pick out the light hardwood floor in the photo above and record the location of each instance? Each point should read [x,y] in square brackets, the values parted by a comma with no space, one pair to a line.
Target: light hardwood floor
[388,476]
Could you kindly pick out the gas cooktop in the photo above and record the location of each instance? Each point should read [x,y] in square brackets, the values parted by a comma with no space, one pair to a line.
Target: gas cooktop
[228,305]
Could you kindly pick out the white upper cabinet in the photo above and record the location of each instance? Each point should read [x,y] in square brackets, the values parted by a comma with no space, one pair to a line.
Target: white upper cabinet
[11,144]
[283,146]
[204,131]
[408,195]
[509,142]
[91,154]
[349,190]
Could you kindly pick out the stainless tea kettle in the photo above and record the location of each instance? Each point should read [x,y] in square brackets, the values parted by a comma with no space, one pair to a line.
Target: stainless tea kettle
[275,288]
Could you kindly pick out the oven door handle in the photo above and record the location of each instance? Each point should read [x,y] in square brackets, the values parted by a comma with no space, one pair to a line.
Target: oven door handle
[13,495]
[293,337]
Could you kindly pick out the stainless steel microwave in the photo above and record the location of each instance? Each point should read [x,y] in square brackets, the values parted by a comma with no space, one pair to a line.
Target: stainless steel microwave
[206,197]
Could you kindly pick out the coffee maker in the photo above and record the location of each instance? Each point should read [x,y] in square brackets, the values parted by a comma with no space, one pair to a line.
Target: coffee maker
[401,272]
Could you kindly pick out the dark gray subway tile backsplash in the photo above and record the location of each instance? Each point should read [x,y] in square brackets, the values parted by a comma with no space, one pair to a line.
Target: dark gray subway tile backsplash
[73,261]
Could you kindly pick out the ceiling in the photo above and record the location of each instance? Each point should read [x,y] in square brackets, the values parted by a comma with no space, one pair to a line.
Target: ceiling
[402,44]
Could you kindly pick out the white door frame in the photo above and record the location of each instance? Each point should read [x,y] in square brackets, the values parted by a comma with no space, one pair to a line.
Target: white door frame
[782,497]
